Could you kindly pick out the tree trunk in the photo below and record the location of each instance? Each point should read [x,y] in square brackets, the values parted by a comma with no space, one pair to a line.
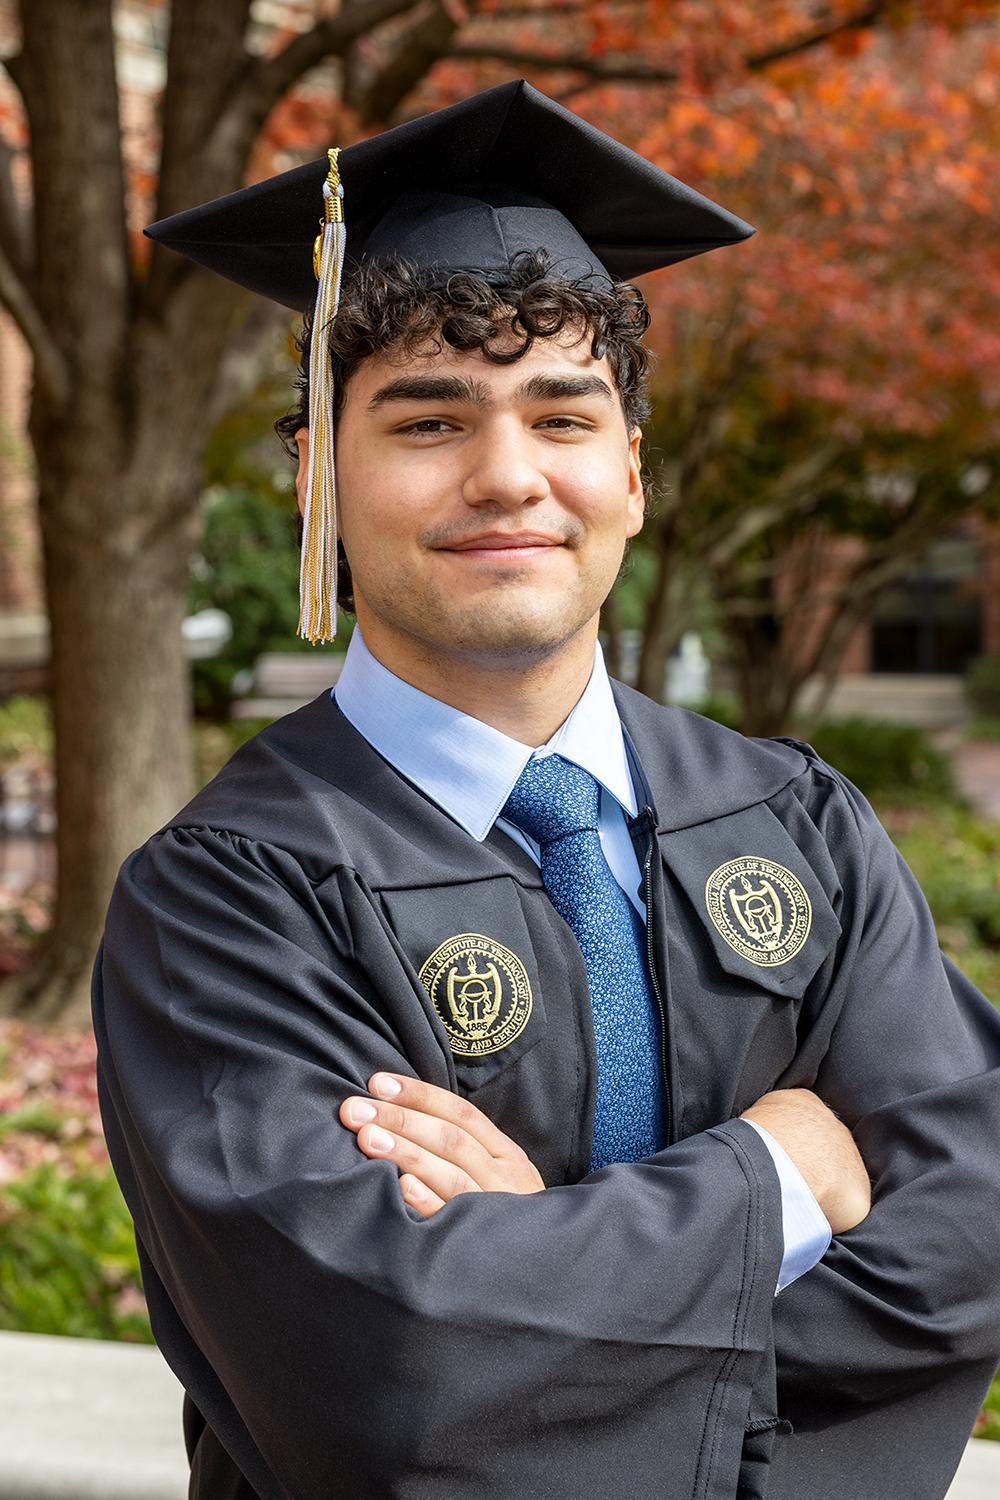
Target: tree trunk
[661,627]
[126,367]
[755,649]
[121,707]
[611,629]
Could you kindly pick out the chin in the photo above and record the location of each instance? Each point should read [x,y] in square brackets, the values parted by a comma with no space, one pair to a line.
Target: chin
[501,633]
[496,628]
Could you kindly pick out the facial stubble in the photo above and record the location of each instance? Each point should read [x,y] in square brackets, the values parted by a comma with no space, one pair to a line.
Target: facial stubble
[509,622]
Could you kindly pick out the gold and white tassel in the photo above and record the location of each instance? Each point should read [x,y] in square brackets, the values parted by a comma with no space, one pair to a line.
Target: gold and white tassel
[318,575]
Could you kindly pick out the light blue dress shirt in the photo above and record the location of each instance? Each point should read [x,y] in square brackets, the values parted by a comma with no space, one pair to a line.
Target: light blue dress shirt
[469,769]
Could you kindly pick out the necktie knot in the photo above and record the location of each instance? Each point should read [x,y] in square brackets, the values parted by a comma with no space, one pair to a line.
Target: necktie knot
[552,798]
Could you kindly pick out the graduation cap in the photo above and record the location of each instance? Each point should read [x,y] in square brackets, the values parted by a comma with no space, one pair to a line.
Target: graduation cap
[464,188]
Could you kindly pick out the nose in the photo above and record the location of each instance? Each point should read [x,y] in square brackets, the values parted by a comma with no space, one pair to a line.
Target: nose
[503,470]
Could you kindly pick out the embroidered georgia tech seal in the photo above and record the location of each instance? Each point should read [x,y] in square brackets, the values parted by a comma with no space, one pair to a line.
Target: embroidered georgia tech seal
[480,990]
[760,908]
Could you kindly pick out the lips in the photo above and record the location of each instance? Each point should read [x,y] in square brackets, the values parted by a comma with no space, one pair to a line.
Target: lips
[499,541]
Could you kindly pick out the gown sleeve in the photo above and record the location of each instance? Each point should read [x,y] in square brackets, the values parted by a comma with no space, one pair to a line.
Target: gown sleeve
[886,1348]
[338,1343]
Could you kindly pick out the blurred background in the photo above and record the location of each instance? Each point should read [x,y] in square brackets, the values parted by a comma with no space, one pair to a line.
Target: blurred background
[823,557]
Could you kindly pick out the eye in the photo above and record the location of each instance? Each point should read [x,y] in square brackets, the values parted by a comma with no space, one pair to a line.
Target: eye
[566,424]
[426,426]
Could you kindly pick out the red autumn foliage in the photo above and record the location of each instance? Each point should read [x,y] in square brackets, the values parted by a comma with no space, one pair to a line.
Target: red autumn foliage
[48,1101]
[866,163]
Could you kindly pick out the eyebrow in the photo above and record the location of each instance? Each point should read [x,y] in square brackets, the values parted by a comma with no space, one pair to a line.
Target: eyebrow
[469,392]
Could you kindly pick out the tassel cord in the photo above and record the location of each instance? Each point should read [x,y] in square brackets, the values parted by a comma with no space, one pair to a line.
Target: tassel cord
[318,567]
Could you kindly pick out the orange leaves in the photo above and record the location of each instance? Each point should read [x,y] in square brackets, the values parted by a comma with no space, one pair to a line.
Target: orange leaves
[611,29]
[967,181]
[873,284]
[800,178]
[850,44]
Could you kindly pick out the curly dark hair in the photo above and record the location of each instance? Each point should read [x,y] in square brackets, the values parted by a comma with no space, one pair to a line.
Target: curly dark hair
[392,305]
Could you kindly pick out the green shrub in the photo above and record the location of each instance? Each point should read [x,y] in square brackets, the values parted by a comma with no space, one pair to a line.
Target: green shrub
[68,1262]
[25,727]
[891,762]
[249,567]
[37,1116]
[955,856]
[723,709]
[983,727]
[988,1425]
[982,686]
[215,743]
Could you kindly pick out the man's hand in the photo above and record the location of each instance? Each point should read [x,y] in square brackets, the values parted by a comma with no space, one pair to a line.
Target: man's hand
[442,1144]
[822,1148]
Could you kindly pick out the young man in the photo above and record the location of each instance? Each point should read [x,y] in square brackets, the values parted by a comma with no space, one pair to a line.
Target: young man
[469,1046]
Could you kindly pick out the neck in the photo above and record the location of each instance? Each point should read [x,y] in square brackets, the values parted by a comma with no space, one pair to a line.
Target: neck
[526,698]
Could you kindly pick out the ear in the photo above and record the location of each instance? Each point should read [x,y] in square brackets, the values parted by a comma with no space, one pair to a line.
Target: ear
[302,477]
[636,493]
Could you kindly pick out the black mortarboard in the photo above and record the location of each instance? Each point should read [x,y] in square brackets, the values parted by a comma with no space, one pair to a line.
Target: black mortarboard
[464,188]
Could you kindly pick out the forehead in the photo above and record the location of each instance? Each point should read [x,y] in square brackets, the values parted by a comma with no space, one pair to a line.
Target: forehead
[565,352]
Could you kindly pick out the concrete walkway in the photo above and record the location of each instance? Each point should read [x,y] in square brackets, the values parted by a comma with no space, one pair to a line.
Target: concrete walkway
[82,1420]
[85,1420]
[977,771]
[978,1477]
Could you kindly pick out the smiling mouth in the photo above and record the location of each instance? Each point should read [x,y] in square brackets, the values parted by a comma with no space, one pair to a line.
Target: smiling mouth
[499,546]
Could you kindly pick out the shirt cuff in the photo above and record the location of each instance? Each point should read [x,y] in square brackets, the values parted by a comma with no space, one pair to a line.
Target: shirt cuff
[805,1227]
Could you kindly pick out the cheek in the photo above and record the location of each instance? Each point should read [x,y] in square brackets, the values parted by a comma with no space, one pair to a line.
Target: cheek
[383,510]
[595,487]
[367,500]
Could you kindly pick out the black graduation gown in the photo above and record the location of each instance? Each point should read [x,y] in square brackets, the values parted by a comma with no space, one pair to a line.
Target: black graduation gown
[616,1334]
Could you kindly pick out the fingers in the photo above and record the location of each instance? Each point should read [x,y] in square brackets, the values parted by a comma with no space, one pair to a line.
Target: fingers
[441,1176]
[440,1137]
[428,1099]
[439,1142]
[419,1196]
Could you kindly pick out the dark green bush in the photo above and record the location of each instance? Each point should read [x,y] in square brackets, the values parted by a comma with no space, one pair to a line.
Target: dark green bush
[25,727]
[249,567]
[215,743]
[982,686]
[68,1262]
[723,709]
[889,762]
[955,857]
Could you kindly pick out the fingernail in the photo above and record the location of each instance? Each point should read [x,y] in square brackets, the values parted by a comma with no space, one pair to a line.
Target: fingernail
[385,1087]
[359,1110]
[416,1190]
[380,1140]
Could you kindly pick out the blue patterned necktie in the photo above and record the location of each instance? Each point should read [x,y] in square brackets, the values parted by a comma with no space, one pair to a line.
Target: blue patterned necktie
[557,804]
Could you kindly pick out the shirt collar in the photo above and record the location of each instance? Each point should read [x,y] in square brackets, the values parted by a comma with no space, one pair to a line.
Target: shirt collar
[465,766]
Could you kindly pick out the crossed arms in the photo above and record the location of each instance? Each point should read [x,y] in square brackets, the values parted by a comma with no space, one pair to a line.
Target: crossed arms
[343,1341]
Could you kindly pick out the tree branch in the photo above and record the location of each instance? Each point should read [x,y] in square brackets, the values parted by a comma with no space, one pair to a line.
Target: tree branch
[869,16]
[206,58]
[635,70]
[631,71]
[249,355]
[268,78]
[795,493]
[413,54]
[225,142]
[49,365]
[15,226]
[13,66]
